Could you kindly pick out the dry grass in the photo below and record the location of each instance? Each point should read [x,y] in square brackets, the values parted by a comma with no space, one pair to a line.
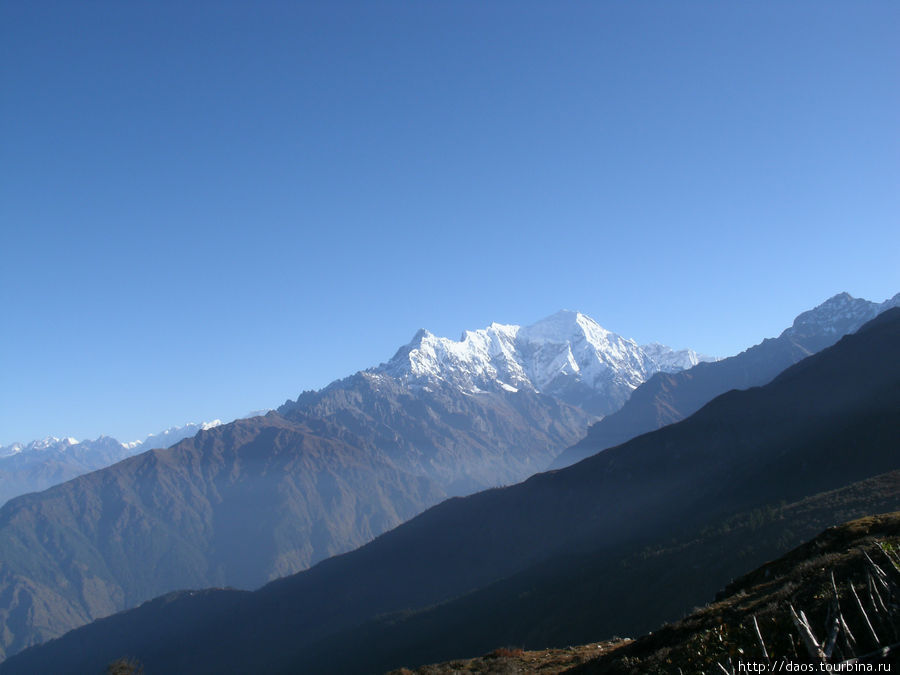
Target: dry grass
[510,660]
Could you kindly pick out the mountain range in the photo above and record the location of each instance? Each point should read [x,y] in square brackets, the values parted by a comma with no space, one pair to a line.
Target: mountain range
[567,355]
[34,466]
[324,473]
[668,397]
[598,547]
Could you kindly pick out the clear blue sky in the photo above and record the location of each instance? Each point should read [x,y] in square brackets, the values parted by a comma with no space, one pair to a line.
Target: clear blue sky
[207,207]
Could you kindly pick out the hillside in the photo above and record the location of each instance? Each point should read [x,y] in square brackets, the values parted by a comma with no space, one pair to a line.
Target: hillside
[724,632]
[301,488]
[844,585]
[566,599]
[463,441]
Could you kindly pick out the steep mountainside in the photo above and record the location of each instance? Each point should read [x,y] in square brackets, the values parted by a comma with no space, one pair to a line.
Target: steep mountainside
[182,517]
[567,598]
[669,397]
[464,441]
[30,467]
[753,614]
[322,480]
[567,355]
[822,425]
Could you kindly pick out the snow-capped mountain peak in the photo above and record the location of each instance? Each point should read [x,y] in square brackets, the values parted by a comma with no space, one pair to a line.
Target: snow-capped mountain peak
[50,443]
[566,323]
[672,360]
[10,450]
[53,441]
[478,358]
[567,354]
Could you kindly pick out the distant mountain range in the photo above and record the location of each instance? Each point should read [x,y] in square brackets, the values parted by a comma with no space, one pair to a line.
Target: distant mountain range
[567,355]
[668,397]
[34,466]
[549,558]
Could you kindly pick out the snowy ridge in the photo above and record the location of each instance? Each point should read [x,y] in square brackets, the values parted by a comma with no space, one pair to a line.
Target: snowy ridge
[568,355]
[670,360]
[38,465]
[163,439]
[172,435]
[50,443]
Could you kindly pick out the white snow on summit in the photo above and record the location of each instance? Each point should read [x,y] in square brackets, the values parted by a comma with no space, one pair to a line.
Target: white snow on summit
[50,443]
[10,450]
[163,439]
[568,355]
[172,435]
[572,357]
[670,360]
[479,358]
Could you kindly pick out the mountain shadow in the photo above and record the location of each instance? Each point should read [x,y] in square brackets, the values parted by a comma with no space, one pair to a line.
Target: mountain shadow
[750,621]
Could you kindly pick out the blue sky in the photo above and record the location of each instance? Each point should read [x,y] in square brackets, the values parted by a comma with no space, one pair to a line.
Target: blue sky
[206,208]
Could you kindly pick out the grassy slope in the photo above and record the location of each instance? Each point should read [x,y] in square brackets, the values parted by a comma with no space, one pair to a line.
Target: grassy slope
[567,602]
[723,630]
